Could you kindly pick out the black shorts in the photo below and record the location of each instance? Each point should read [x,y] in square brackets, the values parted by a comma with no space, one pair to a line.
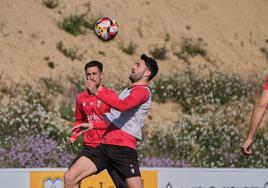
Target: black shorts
[95,155]
[120,158]
[123,159]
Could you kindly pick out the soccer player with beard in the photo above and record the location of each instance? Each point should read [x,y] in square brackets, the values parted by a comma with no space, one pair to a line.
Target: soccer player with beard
[124,121]
[91,109]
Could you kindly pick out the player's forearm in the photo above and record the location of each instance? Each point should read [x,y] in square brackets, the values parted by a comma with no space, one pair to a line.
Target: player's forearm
[75,134]
[112,102]
[256,119]
[116,103]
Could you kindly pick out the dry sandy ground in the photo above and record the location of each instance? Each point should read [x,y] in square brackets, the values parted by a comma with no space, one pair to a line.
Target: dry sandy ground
[233,30]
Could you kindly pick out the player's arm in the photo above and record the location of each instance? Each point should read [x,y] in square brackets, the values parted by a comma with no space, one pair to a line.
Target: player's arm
[78,120]
[256,118]
[137,96]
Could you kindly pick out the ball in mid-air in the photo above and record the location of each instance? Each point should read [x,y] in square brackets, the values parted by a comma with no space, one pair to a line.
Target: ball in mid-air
[106,28]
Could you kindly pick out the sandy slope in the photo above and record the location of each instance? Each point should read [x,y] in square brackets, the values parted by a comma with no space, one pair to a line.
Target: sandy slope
[233,30]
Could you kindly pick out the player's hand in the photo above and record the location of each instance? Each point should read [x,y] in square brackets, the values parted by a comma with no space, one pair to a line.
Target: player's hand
[245,148]
[70,141]
[91,86]
[81,128]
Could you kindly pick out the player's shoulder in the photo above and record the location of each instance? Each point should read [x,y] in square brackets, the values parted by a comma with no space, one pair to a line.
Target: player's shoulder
[266,78]
[141,89]
[82,94]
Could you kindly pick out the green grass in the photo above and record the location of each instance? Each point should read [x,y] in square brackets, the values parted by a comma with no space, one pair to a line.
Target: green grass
[71,53]
[190,48]
[51,3]
[130,49]
[158,52]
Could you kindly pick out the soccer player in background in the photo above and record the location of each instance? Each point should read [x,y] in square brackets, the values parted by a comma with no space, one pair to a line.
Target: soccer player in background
[91,109]
[125,120]
[256,118]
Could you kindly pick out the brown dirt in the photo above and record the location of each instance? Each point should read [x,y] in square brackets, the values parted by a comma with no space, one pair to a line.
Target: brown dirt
[234,32]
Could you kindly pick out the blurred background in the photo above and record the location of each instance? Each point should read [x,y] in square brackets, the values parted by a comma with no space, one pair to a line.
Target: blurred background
[213,58]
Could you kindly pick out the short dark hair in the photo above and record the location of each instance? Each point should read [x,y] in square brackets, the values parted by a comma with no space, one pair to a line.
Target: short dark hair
[151,64]
[94,63]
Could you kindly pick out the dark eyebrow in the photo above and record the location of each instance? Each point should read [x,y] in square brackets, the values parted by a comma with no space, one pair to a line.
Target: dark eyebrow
[92,73]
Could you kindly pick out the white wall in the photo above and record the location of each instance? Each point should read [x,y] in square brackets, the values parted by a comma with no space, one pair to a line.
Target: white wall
[209,178]
[166,177]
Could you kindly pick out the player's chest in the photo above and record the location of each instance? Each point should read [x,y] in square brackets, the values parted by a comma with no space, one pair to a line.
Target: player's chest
[93,105]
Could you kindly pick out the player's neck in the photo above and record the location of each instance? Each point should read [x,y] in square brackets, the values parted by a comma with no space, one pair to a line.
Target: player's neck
[140,82]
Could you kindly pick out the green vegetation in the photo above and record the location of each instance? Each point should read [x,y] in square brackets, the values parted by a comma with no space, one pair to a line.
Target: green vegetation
[264,51]
[158,52]
[52,86]
[212,139]
[51,3]
[198,94]
[130,49]
[210,142]
[69,52]
[77,24]
[190,48]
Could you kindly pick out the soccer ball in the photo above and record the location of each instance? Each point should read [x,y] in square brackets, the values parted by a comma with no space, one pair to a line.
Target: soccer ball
[106,28]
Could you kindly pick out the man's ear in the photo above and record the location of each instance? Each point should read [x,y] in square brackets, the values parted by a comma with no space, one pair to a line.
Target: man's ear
[147,73]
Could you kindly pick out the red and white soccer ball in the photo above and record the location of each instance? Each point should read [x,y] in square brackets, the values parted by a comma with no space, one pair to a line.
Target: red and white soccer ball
[106,28]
